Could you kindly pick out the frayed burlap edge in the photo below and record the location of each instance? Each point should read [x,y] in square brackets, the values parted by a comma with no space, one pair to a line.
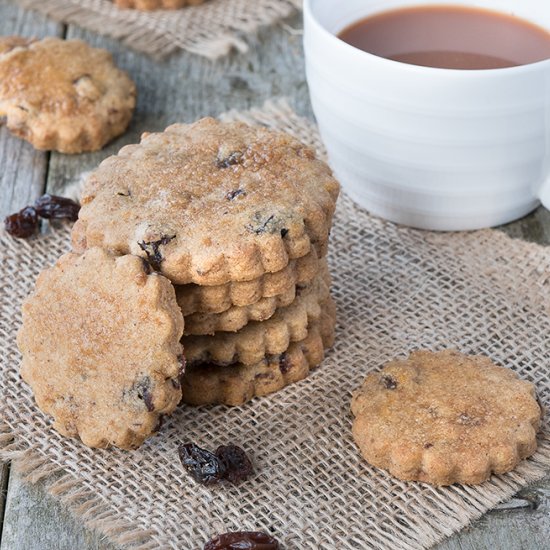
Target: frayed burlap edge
[96,515]
[150,33]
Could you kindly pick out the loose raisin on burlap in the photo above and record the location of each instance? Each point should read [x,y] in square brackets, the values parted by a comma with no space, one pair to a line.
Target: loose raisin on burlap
[203,466]
[237,464]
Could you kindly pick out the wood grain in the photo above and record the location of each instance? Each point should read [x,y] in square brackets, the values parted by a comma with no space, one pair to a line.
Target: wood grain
[181,89]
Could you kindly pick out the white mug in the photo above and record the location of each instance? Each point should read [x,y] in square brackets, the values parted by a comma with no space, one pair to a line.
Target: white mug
[431,148]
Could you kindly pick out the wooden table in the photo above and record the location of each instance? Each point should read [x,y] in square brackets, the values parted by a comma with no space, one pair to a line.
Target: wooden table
[182,89]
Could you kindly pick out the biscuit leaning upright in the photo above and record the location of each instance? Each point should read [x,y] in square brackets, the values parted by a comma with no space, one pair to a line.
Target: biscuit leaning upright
[101,347]
[210,203]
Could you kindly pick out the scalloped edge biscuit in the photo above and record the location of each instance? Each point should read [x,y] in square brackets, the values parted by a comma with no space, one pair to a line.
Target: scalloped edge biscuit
[211,202]
[63,95]
[236,384]
[260,338]
[100,346]
[445,417]
[217,299]
[235,318]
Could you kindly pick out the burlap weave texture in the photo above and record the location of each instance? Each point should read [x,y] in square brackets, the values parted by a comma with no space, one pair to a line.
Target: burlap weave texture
[211,29]
[397,289]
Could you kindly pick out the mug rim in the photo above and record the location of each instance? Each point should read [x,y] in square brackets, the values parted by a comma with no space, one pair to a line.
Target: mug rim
[469,73]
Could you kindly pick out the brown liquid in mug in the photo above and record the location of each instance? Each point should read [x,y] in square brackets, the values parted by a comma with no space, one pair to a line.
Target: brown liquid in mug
[450,37]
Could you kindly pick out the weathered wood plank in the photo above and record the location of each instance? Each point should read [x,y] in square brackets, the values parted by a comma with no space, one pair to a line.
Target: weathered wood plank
[4,477]
[535,227]
[36,521]
[23,170]
[502,529]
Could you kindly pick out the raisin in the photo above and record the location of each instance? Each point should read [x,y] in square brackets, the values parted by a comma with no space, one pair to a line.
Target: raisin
[284,363]
[146,266]
[152,250]
[234,194]
[284,232]
[203,466]
[237,465]
[389,382]
[142,388]
[244,540]
[231,160]
[260,225]
[58,208]
[23,224]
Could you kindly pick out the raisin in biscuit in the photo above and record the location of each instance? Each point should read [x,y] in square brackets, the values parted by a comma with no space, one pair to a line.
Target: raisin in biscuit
[211,202]
[148,5]
[445,418]
[237,384]
[64,95]
[100,345]
[260,338]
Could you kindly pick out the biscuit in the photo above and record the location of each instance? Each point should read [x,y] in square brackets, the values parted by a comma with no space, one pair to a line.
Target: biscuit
[217,299]
[237,384]
[64,95]
[211,202]
[149,5]
[236,294]
[236,317]
[260,338]
[445,418]
[100,345]
[9,43]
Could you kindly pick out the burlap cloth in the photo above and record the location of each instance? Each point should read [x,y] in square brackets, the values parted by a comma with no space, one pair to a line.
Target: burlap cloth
[211,29]
[397,289]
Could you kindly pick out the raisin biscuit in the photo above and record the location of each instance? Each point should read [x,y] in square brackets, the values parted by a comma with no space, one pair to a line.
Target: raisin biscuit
[236,317]
[63,95]
[149,5]
[100,345]
[445,418]
[211,202]
[217,299]
[260,338]
[237,384]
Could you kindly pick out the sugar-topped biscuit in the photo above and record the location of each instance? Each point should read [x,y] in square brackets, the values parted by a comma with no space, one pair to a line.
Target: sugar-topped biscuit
[63,95]
[211,202]
[444,417]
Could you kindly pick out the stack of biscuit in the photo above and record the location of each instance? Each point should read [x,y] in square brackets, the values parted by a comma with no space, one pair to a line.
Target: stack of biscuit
[238,219]
[208,239]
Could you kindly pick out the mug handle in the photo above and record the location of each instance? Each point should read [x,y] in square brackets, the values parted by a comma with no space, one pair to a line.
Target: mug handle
[544,194]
